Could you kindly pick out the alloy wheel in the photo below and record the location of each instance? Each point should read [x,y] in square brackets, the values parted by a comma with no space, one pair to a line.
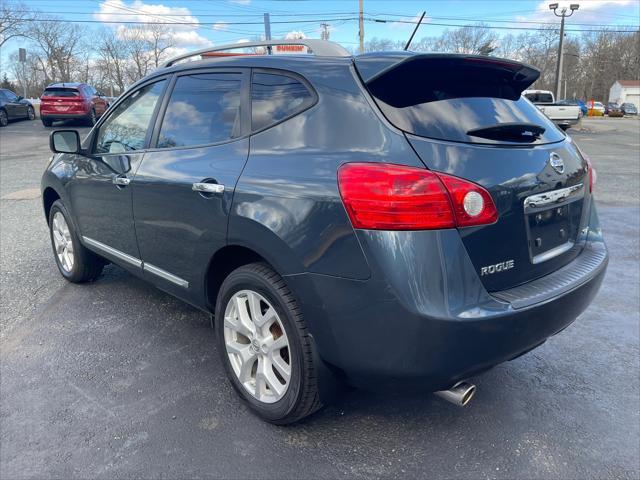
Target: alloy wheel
[31,113]
[257,346]
[62,242]
[4,120]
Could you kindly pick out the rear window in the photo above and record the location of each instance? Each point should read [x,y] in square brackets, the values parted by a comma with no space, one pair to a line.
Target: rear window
[61,92]
[539,97]
[447,99]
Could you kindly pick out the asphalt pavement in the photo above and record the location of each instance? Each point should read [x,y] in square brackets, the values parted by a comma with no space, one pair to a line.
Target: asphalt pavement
[115,379]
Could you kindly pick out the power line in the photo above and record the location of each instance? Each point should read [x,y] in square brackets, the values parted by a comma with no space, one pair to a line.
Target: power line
[375,20]
[178,21]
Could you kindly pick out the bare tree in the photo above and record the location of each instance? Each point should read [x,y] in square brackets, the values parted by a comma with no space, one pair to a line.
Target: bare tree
[114,57]
[58,45]
[471,39]
[160,42]
[14,18]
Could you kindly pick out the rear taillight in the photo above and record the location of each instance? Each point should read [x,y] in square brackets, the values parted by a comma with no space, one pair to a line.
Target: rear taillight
[593,176]
[381,196]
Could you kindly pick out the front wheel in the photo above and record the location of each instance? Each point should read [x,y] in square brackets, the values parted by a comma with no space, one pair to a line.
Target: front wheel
[75,262]
[31,113]
[265,345]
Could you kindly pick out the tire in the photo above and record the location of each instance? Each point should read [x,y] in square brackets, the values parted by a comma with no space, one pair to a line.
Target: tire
[4,118]
[300,397]
[46,122]
[85,265]
[31,114]
[91,118]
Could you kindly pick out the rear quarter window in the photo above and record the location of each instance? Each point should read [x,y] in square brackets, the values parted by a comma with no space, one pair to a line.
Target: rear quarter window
[276,97]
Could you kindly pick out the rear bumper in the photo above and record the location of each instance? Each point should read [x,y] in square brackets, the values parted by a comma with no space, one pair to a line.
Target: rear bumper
[424,318]
[567,122]
[53,116]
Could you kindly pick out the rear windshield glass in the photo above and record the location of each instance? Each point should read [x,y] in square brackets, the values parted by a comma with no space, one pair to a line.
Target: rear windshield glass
[60,92]
[448,103]
[539,97]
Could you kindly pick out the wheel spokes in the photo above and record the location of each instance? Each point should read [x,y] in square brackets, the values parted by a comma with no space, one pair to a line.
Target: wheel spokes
[257,346]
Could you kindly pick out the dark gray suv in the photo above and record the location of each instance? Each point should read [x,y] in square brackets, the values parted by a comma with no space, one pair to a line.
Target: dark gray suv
[387,220]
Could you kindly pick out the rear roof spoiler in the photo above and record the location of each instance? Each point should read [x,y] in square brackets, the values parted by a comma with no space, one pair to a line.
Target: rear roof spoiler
[374,66]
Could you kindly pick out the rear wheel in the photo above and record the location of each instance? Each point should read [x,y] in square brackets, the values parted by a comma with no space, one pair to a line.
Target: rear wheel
[265,345]
[76,263]
[4,118]
[91,118]
[46,122]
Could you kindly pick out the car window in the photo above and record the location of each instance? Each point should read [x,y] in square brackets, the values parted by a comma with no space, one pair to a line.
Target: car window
[3,96]
[12,97]
[539,97]
[60,92]
[203,109]
[126,127]
[275,97]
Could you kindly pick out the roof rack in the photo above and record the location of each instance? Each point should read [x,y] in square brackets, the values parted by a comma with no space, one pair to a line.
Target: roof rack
[320,48]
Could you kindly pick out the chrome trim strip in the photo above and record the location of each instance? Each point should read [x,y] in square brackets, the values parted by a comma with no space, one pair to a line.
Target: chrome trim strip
[147,267]
[554,252]
[555,198]
[112,251]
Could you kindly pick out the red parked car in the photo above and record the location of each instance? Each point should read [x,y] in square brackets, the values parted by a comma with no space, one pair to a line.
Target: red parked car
[65,101]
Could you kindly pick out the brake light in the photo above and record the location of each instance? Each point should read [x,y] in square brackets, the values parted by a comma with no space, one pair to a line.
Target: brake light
[382,196]
[593,175]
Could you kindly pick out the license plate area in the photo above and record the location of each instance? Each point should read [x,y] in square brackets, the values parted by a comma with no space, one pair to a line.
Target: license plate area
[553,221]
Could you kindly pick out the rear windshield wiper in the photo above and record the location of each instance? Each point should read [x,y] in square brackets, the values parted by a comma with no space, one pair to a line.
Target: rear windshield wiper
[514,132]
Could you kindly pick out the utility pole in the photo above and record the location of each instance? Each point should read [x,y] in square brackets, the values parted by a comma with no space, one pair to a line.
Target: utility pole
[563,14]
[324,34]
[361,26]
[267,30]
[22,58]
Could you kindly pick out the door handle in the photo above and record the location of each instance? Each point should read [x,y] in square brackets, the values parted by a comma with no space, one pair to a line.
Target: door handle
[121,181]
[207,187]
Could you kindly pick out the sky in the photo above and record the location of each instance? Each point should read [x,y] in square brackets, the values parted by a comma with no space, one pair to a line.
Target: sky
[229,21]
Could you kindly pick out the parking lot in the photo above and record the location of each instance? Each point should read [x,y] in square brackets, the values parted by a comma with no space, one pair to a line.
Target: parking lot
[116,379]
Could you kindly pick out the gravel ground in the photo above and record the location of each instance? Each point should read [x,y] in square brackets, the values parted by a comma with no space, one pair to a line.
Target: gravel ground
[116,379]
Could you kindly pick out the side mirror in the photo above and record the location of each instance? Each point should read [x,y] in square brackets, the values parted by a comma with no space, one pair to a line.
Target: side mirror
[64,141]
[20,97]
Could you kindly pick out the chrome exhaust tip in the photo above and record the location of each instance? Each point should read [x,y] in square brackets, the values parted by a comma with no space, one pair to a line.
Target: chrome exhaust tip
[460,394]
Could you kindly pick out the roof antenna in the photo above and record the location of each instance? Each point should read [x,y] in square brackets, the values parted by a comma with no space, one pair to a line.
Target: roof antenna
[406,47]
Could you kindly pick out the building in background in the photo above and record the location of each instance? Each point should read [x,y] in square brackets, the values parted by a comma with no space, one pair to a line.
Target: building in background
[625,91]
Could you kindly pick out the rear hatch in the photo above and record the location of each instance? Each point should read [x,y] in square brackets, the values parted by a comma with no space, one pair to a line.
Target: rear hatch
[465,116]
[62,100]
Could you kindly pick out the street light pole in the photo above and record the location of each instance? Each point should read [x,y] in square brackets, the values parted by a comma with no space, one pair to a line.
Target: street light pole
[563,14]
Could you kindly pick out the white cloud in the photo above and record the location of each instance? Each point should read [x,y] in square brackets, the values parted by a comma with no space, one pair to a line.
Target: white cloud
[240,2]
[221,26]
[138,11]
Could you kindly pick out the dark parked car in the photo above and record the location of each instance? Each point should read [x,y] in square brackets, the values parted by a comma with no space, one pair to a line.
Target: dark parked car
[629,109]
[338,216]
[613,110]
[71,101]
[14,107]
